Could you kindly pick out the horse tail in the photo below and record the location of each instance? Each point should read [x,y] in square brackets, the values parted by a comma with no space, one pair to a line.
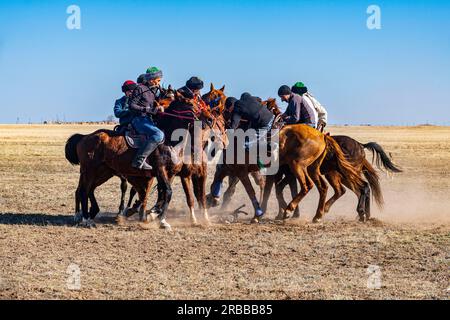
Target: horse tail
[374,182]
[344,167]
[71,148]
[381,158]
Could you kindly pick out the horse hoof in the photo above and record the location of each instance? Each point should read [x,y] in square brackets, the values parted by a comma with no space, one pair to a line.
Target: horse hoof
[78,217]
[212,201]
[164,225]
[317,220]
[152,216]
[287,214]
[255,220]
[144,225]
[279,217]
[128,212]
[121,220]
[87,223]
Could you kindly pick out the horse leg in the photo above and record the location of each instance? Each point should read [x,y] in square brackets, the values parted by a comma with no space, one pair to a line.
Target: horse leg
[123,189]
[222,171]
[252,195]
[335,180]
[232,183]
[279,188]
[368,198]
[267,190]
[78,213]
[130,210]
[200,192]
[306,184]
[187,183]
[260,180]
[321,184]
[294,190]
[363,195]
[142,211]
[166,191]
[94,210]
[86,183]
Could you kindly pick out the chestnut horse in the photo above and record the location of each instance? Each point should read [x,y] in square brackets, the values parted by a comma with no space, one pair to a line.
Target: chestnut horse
[194,171]
[105,173]
[354,153]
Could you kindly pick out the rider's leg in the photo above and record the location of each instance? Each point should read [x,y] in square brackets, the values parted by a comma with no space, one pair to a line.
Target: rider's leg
[155,138]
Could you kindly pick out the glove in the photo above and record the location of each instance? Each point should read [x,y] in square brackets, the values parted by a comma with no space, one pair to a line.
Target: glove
[147,110]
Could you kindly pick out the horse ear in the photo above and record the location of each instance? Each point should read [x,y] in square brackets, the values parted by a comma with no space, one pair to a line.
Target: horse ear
[178,95]
[170,87]
[212,87]
[223,88]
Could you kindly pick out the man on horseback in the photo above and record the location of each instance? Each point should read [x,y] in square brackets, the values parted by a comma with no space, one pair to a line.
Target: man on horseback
[250,109]
[299,109]
[121,107]
[142,106]
[259,118]
[300,89]
[192,88]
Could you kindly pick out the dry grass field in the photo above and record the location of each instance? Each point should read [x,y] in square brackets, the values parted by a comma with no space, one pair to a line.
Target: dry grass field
[402,253]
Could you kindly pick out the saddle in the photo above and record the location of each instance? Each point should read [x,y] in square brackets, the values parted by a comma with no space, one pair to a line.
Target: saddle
[133,139]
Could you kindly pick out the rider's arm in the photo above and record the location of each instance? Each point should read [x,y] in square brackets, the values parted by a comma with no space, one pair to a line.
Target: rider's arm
[292,114]
[135,99]
[235,120]
[119,109]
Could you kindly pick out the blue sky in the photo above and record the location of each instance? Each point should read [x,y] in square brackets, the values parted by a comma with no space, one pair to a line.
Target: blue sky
[397,75]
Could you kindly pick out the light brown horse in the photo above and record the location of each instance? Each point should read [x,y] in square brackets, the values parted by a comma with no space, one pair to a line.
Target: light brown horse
[303,149]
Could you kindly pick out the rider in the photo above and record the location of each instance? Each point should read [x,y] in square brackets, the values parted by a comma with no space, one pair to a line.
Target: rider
[142,104]
[299,109]
[141,79]
[121,107]
[250,109]
[301,89]
[192,88]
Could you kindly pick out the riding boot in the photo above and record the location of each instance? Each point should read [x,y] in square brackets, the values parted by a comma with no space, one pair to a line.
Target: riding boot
[139,161]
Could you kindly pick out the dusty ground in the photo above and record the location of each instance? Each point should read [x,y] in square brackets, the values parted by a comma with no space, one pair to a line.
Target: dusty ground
[402,253]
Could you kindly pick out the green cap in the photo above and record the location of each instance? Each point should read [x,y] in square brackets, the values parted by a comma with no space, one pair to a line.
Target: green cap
[299,85]
[152,70]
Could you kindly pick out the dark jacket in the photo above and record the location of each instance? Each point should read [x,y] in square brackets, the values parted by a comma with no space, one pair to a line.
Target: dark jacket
[122,111]
[142,100]
[250,109]
[296,111]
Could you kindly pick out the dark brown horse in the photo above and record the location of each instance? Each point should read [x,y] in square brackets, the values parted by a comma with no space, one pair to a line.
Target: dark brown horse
[105,153]
[104,173]
[194,171]
[233,179]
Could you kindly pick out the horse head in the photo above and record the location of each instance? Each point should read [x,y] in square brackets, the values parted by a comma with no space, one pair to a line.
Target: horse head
[271,104]
[167,97]
[215,99]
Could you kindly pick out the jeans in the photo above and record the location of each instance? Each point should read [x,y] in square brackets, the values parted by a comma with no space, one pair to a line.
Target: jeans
[144,125]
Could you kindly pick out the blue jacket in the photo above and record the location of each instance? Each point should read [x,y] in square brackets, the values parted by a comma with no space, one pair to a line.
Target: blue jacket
[122,111]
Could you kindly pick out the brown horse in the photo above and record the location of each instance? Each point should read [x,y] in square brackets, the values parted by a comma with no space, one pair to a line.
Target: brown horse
[233,178]
[105,173]
[105,153]
[303,149]
[354,153]
[194,171]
